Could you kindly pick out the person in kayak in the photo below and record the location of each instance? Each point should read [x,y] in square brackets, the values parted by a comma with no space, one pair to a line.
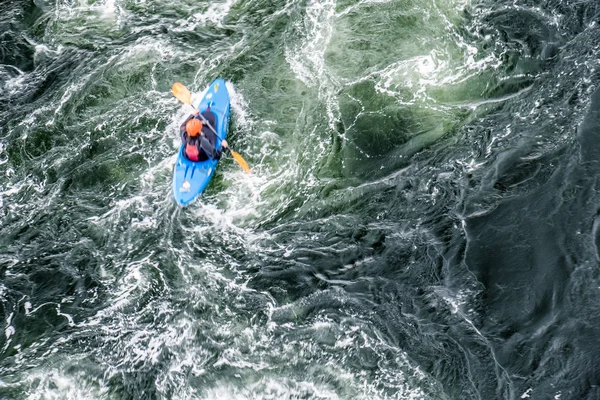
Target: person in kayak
[199,139]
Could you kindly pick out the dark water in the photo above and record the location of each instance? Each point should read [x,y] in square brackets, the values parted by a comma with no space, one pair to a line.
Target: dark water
[422,221]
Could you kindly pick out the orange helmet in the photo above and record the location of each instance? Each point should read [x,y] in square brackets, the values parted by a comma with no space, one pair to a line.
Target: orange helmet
[193,127]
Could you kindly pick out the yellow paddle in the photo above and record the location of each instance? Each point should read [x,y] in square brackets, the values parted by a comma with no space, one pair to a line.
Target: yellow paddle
[185,96]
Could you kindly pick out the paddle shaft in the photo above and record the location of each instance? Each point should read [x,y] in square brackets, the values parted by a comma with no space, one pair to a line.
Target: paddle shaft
[205,121]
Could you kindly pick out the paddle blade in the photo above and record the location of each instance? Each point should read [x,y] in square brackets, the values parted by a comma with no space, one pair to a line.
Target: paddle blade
[240,160]
[182,93]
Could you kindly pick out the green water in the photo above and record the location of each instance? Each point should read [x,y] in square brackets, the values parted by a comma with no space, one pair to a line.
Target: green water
[420,222]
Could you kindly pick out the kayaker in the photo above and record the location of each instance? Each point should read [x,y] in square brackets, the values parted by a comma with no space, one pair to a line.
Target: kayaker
[199,139]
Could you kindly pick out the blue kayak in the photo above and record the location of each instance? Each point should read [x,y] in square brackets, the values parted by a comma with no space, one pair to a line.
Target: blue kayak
[190,178]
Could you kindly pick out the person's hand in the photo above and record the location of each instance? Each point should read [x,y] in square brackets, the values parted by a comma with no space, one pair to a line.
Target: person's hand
[224,144]
[196,112]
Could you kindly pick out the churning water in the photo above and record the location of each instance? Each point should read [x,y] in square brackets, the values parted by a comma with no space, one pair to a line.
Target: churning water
[422,221]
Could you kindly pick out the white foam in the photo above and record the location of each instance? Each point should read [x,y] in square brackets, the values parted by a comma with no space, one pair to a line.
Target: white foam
[14,85]
[307,59]
[271,388]
[55,384]
[215,12]
[104,11]
[69,317]
[239,106]
[10,330]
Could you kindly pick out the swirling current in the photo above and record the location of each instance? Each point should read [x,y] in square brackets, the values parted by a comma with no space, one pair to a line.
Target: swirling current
[422,220]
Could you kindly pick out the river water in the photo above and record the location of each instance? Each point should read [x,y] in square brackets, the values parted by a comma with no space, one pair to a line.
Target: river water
[422,221]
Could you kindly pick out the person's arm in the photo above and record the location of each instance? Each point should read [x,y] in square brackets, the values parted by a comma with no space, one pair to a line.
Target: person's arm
[219,152]
[209,149]
[224,145]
